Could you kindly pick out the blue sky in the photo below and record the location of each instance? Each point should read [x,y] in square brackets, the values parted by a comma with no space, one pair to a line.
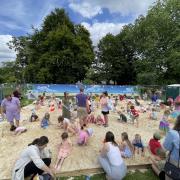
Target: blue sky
[98,16]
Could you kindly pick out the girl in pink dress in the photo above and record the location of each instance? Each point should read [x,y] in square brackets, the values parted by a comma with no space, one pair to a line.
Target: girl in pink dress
[64,150]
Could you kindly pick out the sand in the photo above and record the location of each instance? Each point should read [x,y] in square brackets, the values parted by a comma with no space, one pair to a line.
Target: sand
[81,158]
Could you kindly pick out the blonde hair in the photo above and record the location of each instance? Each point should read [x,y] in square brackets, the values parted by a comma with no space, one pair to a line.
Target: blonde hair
[125,138]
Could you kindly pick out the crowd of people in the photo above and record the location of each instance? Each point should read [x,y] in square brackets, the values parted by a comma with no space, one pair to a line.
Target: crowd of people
[36,158]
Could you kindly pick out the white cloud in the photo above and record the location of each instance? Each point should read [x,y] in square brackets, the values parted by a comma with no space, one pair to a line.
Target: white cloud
[124,7]
[99,30]
[86,9]
[6,54]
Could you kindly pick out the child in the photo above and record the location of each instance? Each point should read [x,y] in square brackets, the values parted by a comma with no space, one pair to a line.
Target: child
[20,130]
[84,135]
[99,120]
[34,117]
[153,114]
[91,119]
[45,121]
[138,144]
[66,125]
[134,115]
[154,143]
[123,117]
[64,150]
[125,146]
[158,162]
[164,124]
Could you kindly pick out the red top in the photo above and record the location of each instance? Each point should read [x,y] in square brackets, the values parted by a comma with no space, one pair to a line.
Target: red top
[154,144]
[134,112]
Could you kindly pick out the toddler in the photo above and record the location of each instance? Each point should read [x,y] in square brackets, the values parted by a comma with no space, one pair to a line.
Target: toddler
[84,135]
[45,121]
[34,117]
[138,144]
[20,130]
[125,146]
[123,117]
[153,114]
[100,120]
[164,124]
[134,115]
[64,150]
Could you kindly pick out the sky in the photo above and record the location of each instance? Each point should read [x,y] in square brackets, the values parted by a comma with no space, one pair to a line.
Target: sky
[99,16]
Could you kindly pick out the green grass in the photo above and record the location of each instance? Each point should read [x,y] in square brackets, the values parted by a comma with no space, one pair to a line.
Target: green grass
[137,175]
[25,102]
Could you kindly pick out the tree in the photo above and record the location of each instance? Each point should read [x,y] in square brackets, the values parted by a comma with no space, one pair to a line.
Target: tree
[59,52]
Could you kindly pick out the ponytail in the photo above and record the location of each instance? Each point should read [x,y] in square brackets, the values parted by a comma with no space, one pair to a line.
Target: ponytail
[35,141]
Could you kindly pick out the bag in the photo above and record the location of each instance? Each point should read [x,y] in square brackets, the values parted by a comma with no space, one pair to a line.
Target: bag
[170,169]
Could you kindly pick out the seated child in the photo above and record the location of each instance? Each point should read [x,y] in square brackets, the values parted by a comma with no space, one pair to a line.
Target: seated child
[122,118]
[67,125]
[45,121]
[64,150]
[138,145]
[20,130]
[100,120]
[164,124]
[84,135]
[153,114]
[154,143]
[158,162]
[34,117]
[91,119]
[125,146]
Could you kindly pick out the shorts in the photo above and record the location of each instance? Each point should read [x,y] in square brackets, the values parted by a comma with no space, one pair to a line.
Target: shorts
[138,145]
[81,112]
[12,115]
[105,112]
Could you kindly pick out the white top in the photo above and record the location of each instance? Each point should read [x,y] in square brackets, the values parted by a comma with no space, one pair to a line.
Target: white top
[114,155]
[31,153]
[66,120]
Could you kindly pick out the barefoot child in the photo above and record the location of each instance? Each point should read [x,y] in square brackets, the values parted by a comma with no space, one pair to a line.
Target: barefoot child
[134,115]
[64,150]
[125,146]
[45,121]
[19,130]
[84,135]
[138,145]
[66,125]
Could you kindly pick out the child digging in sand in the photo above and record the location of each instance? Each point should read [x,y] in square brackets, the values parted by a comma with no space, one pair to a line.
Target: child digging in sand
[64,150]
[45,121]
[67,125]
[84,135]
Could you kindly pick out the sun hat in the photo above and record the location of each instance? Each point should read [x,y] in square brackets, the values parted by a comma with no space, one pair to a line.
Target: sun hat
[90,131]
[157,135]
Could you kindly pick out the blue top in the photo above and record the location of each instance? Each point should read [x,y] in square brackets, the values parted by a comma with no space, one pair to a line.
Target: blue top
[172,139]
[81,99]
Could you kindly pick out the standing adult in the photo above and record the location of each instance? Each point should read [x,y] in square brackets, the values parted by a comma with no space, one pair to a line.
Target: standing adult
[33,160]
[82,106]
[17,93]
[111,160]
[66,106]
[172,143]
[104,107]
[11,107]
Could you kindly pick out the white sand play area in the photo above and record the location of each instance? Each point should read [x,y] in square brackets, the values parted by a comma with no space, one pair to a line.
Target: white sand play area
[81,158]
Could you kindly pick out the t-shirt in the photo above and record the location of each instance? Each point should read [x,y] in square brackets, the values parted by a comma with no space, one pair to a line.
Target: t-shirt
[154,145]
[81,99]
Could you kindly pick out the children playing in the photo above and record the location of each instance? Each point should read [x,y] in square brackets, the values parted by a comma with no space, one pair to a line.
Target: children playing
[164,124]
[66,125]
[154,143]
[134,115]
[84,135]
[153,114]
[138,145]
[64,150]
[45,121]
[122,117]
[125,146]
[34,117]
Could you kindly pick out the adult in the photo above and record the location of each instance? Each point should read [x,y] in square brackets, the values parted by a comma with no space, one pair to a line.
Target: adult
[171,142]
[82,106]
[104,107]
[17,93]
[66,106]
[33,160]
[111,160]
[11,107]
